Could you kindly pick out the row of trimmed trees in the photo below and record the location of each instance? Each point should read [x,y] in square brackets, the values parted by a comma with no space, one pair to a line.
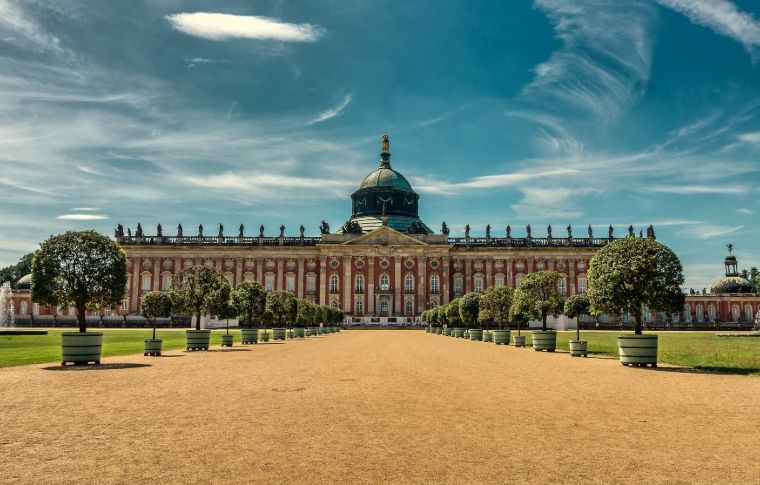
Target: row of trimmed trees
[199,291]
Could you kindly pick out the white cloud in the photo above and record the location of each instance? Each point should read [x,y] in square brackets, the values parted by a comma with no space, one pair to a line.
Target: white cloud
[333,112]
[28,34]
[220,26]
[722,16]
[82,217]
[697,189]
[600,69]
[84,209]
[709,231]
[753,138]
[743,210]
[488,181]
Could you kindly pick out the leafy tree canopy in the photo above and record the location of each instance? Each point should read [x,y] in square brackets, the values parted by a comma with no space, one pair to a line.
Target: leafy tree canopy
[198,291]
[577,305]
[469,308]
[79,268]
[539,295]
[630,273]
[16,271]
[306,312]
[249,299]
[156,304]
[495,305]
[452,312]
[283,306]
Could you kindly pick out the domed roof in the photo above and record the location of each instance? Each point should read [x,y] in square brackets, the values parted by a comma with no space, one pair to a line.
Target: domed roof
[386,177]
[732,284]
[24,283]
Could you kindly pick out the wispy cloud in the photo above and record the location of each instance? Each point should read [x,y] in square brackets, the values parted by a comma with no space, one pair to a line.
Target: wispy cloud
[487,181]
[333,112]
[697,189]
[27,33]
[753,138]
[83,217]
[221,26]
[743,210]
[599,70]
[84,209]
[723,17]
[709,231]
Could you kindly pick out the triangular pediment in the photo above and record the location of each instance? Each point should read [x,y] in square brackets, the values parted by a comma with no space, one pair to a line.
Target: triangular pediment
[384,236]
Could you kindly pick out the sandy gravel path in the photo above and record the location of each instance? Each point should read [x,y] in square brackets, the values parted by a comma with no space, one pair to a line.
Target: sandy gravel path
[370,406]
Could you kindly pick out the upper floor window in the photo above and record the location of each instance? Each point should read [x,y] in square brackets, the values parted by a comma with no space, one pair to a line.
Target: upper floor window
[458,286]
[561,286]
[290,283]
[334,283]
[499,281]
[146,281]
[359,284]
[385,282]
[409,284]
[269,282]
[479,284]
[581,285]
[434,283]
[311,283]
[166,282]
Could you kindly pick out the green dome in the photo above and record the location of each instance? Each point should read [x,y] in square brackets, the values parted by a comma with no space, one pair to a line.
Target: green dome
[732,284]
[386,177]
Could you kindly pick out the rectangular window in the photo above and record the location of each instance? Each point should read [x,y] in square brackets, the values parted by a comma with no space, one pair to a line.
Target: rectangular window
[582,285]
[458,286]
[499,282]
[269,282]
[311,284]
[479,285]
[290,283]
[146,280]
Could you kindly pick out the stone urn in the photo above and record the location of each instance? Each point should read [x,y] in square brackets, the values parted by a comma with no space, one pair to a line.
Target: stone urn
[153,346]
[519,340]
[227,340]
[544,340]
[249,335]
[501,337]
[578,348]
[81,347]
[197,339]
[638,350]
[476,334]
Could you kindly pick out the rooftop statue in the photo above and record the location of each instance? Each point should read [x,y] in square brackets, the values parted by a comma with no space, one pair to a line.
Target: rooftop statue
[221,230]
[159,231]
[301,229]
[139,232]
[509,231]
[467,230]
[650,232]
[200,230]
[609,231]
[527,231]
[240,230]
[179,230]
[282,230]
[324,228]
[385,148]
[549,231]
[730,249]
[444,229]
[569,231]
[129,231]
[351,227]
[488,231]
[261,230]
[630,230]
[590,232]
[119,230]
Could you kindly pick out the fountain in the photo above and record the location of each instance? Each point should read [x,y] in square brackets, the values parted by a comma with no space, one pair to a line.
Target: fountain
[6,306]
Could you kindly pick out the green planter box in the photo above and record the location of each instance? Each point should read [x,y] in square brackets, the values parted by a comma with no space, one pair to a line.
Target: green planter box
[81,347]
[578,348]
[457,332]
[227,340]
[249,335]
[501,337]
[153,346]
[487,336]
[299,332]
[197,339]
[427,329]
[438,330]
[519,340]
[264,336]
[279,333]
[638,350]
[312,331]
[544,340]
[476,334]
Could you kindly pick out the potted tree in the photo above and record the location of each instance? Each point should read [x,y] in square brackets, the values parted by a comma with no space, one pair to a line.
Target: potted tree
[469,310]
[540,297]
[628,274]
[443,317]
[82,269]
[226,310]
[249,298]
[281,304]
[197,290]
[155,304]
[519,316]
[452,312]
[319,312]
[575,306]
[267,318]
[496,302]
[304,316]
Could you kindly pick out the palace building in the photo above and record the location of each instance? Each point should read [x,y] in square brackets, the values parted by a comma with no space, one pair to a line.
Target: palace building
[383,265]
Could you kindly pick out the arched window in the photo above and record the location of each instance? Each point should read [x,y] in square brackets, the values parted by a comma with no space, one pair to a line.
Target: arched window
[410,307]
[582,285]
[700,311]
[383,307]
[166,282]
[711,311]
[409,284]
[36,308]
[561,286]
[479,284]
[125,304]
[333,283]
[735,313]
[676,317]
[72,310]
[359,284]
[518,280]
[687,313]
[498,281]
[385,282]
[434,281]
[458,285]
[24,307]
[290,283]
[359,307]
[269,282]
[748,313]
[146,281]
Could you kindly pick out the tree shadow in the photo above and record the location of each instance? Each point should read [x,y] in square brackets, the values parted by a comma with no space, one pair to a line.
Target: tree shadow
[92,367]
[709,370]
[164,355]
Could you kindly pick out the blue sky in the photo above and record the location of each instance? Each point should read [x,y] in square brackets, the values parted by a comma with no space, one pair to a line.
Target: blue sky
[543,112]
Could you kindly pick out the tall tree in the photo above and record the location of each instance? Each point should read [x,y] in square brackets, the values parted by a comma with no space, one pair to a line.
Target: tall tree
[281,304]
[630,273]
[16,271]
[575,306]
[495,304]
[305,313]
[155,304]
[540,296]
[469,308]
[249,298]
[197,290]
[82,269]
[452,312]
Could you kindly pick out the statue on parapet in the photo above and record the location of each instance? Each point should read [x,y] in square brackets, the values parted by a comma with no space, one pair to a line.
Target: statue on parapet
[569,231]
[261,230]
[139,232]
[549,231]
[650,232]
[301,229]
[179,230]
[444,229]
[488,231]
[324,228]
[129,232]
[509,231]
[221,230]
[159,231]
[609,231]
[351,227]
[590,232]
[467,230]
[119,231]
[200,230]
[630,231]
[282,230]
[528,231]
[240,230]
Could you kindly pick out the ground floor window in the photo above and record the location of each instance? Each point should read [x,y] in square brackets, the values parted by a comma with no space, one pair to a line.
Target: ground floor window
[410,307]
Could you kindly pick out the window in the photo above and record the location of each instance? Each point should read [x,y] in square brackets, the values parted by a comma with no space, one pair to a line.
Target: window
[230,279]
[269,282]
[518,280]
[72,310]
[359,307]
[125,304]
[748,313]
[582,285]
[498,281]
[711,311]
[333,283]
[166,282]
[36,308]
[700,313]
[409,284]
[385,283]
[24,307]
[735,313]
[676,318]
[458,285]
[687,313]
[359,284]
[434,284]
[146,280]
[561,287]
[479,284]
[290,283]
[383,307]
[410,307]
[311,284]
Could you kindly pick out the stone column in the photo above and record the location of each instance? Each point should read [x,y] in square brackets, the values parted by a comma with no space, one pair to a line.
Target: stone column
[572,283]
[489,274]
[421,284]
[371,285]
[135,289]
[260,270]
[397,285]
[156,274]
[467,275]
[347,284]
[323,280]
[279,283]
[445,281]
[300,279]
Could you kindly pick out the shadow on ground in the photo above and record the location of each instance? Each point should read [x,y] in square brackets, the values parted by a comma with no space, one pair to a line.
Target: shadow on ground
[91,367]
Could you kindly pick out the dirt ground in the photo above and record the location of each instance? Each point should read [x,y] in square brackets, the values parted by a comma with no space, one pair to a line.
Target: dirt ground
[375,406]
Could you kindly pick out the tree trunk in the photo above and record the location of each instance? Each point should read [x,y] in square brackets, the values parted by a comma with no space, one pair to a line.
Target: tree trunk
[198,320]
[578,328]
[81,318]
[154,329]
[637,330]
[543,322]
